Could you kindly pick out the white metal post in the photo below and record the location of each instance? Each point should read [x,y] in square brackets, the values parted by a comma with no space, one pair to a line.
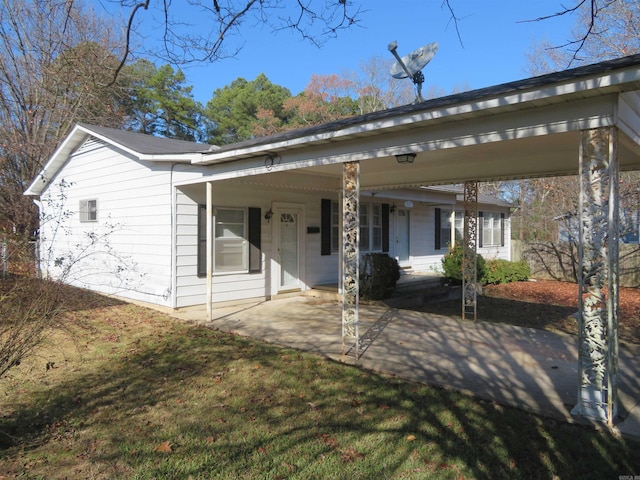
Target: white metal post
[350,256]
[209,251]
[598,281]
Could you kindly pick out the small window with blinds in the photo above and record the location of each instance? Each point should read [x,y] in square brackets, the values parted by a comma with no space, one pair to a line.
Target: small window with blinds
[88,210]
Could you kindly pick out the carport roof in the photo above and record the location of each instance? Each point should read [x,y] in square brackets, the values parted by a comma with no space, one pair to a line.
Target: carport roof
[510,88]
[527,128]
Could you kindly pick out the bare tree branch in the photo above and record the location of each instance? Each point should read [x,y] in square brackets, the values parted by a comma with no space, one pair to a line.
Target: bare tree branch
[127,48]
[454,19]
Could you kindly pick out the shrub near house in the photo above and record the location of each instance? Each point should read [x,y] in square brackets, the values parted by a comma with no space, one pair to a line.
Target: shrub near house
[504,271]
[489,271]
[452,265]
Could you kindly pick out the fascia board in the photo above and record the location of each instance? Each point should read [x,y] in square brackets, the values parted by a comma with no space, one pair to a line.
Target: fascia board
[628,115]
[76,138]
[191,158]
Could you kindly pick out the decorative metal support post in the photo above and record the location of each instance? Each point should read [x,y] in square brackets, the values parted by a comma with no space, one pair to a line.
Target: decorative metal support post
[598,282]
[350,256]
[469,249]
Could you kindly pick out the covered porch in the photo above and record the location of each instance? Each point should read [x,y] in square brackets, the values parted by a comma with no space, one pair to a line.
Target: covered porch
[584,121]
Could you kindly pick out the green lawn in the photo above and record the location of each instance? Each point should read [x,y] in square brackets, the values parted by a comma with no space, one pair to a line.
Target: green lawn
[135,394]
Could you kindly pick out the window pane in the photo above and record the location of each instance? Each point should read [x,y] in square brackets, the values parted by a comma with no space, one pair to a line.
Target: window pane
[231,246]
[445,228]
[335,227]
[93,209]
[230,216]
[229,231]
[491,231]
[377,239]
[364,214]
[364,239]
[376,212]
[231,255]
[459,226]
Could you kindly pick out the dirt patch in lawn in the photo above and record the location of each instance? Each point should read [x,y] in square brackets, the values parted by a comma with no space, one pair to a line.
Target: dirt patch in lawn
[543,304]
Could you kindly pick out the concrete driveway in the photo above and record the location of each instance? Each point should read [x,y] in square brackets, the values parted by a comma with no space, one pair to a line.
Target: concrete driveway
[526,368]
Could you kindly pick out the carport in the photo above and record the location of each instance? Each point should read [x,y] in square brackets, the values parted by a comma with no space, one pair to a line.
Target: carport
[584,121]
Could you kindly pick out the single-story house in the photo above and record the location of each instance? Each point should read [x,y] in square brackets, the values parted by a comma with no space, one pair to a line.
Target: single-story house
[125,213]
[267,215]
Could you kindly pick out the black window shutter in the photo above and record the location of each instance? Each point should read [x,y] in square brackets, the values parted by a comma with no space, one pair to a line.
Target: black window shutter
[438,222]
[255,233]
[385,227]
[502,229]
[480,226]
[325,227]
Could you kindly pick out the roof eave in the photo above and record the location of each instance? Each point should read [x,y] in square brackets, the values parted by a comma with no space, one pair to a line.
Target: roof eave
[518,97]
[78,135]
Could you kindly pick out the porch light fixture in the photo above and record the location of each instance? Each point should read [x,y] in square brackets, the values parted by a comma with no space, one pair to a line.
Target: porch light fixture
[268,215]
[405,158]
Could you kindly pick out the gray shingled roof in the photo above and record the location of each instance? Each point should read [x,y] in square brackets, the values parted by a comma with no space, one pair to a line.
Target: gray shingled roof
[148,144]
[459,191]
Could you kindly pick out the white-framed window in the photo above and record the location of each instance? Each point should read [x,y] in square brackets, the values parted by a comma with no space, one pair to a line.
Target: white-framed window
[492,226]
[370,227]
[364,227]
[89,210]
[376,227]
[236,240]
[447,216]
[373,227]
[230,240]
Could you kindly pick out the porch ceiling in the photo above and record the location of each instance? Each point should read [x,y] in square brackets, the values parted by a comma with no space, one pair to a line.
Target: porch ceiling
[533,157]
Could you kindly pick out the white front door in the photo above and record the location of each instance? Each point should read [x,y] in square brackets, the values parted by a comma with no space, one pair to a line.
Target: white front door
[402,237]
[288,249]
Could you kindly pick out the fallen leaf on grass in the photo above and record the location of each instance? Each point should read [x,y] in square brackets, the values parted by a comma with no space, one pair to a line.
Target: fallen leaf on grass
[164,447]
[329,441]
[411,438]
[350,455]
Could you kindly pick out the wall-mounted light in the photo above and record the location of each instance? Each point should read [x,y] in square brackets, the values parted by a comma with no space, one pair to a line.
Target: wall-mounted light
[268,215]
[405,158]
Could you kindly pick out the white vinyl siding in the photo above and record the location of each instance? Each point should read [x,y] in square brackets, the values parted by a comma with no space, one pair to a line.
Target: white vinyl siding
[131,254]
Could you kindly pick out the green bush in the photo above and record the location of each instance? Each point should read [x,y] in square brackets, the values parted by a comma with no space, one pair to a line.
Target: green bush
[378,276]
[452,265]
[504,271]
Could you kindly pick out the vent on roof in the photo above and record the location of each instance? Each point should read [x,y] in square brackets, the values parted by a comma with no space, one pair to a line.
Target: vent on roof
[91,144]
